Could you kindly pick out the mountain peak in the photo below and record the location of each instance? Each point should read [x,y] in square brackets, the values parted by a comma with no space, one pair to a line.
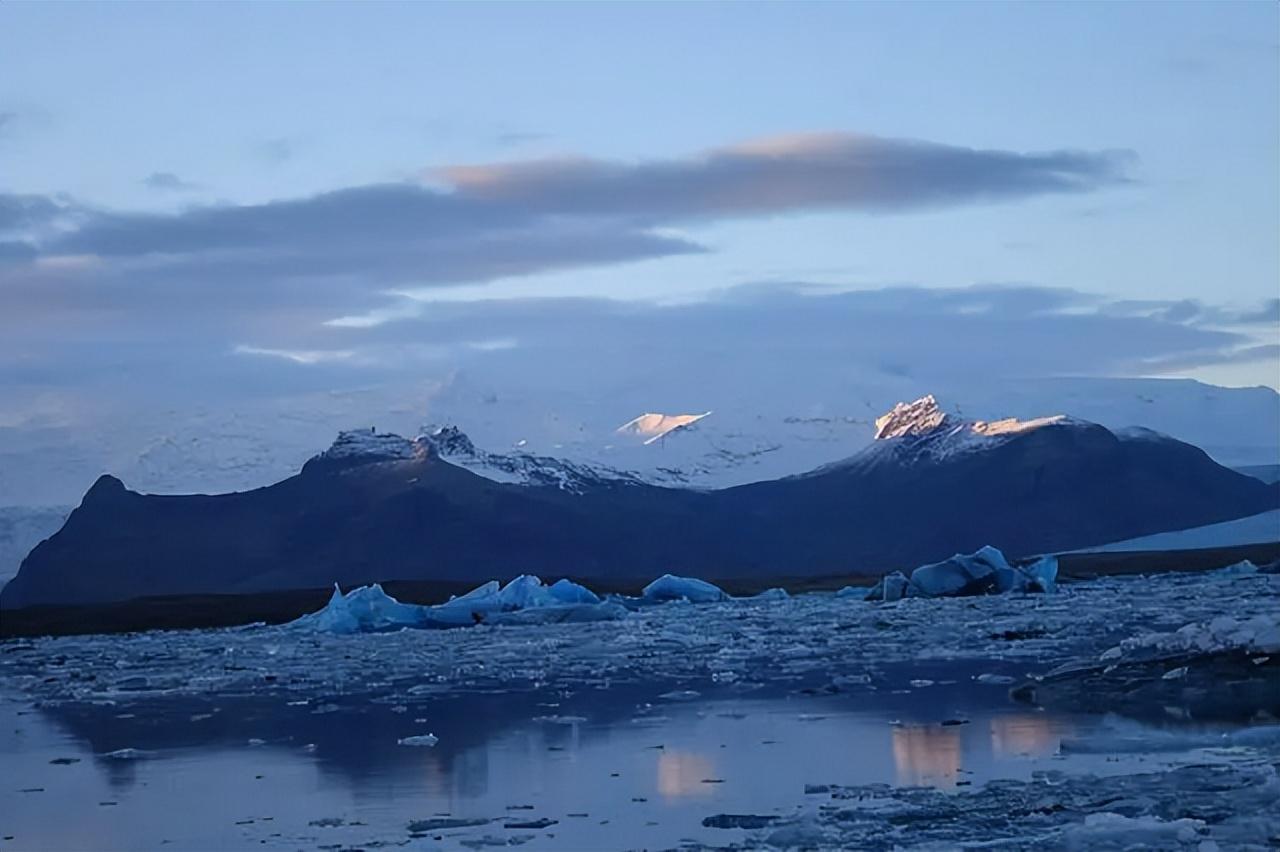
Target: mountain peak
[651,426]
[450,441]
[368,445]
[911,418]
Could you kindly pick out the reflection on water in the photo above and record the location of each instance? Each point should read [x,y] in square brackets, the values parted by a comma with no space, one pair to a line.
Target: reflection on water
[1027,735]
[926,755]
[936,755]
[272,773]
[683,773]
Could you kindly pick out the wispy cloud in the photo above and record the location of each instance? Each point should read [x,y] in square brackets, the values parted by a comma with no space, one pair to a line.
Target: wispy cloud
[228,268]
[298,356]
[789,173]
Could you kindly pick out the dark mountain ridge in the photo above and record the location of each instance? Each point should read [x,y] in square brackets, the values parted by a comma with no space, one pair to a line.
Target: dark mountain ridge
[379,507]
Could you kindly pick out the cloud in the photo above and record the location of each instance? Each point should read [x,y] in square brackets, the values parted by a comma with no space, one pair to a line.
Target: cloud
[232,270]
[808,337]
[311,356]
[167,181]
[779,349]
[25,213]
[1268,313]
[789,173]
[1196,312]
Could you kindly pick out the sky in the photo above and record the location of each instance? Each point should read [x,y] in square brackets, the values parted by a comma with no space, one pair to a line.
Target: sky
[240,199]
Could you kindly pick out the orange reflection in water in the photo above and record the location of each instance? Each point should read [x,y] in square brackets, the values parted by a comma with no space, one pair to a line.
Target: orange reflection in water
[1024,735]
[682,773]
[926,755]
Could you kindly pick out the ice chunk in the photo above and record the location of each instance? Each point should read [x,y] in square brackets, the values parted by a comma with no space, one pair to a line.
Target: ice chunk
[1042,575]
[671,588]
[524,600]
[1260,634]
[364,610]
[428,740]
[561,614]
[569,592]
[523,592]
[1244,568]
[985,571]
[962,574]
[892,587]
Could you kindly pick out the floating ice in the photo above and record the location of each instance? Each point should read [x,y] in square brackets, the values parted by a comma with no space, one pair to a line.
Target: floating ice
[524,600]
[671,588]
[567,591]
[427,740]
[1259,634]
[367,609]
[983,572]
[962,574]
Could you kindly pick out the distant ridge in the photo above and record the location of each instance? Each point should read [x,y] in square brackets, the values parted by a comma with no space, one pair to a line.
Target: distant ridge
[381,507]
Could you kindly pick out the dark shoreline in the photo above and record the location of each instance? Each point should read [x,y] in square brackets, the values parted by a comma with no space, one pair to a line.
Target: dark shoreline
[185,612]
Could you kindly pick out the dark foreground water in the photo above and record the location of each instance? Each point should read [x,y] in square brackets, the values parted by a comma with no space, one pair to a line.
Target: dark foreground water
[618,769]
[640,734]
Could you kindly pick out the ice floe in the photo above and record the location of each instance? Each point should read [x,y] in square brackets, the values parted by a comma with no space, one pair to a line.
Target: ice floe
[1259,634]
[525,600]
[983,572]
[672,588]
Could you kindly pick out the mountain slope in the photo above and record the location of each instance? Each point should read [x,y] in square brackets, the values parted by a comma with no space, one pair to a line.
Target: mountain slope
[379,507]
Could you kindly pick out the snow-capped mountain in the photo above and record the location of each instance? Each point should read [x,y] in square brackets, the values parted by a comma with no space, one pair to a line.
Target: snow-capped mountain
[377,506]
[760,428]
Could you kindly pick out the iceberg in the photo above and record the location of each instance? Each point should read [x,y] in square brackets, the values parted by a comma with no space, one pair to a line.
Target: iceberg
[567,591]
[983,572]
[892,587]
[524,600]
[367,609]
[963,574]
[671,588]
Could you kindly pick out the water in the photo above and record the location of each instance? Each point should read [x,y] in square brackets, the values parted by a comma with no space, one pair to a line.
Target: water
[624,735]
[615,769]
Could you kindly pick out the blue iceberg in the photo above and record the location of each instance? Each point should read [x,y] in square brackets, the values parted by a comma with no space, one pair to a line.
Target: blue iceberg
[524,600]
[668,587]
[983,572]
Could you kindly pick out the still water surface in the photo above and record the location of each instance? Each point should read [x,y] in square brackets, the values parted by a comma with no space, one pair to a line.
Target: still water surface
[624,768]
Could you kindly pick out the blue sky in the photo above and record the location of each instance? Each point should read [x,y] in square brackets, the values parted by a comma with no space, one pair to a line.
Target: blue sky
[1126,153]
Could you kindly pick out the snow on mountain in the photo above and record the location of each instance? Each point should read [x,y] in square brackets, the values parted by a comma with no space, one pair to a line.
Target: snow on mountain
[652,427]
[369,444]
[921,432]
[453,445]
[911,418]
[766,425]
[925,416]
[22,528]
[1255,529]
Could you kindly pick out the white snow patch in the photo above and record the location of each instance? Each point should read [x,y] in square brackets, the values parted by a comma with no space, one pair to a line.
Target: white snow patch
[652,427]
